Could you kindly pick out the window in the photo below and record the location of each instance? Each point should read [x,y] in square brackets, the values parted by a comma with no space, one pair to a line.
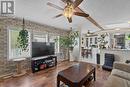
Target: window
[91,40]
[86,42]
[52,39]
[39,37]
[46,37]
[95,40]
[14,51]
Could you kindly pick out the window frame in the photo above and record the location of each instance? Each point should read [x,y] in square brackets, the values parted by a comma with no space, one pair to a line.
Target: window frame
[9,44]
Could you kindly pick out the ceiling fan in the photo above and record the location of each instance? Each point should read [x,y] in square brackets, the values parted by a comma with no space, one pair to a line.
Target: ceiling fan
[71,9]
[90,34]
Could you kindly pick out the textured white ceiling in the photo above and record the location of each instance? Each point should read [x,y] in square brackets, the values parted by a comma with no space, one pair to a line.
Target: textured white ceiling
[105,12]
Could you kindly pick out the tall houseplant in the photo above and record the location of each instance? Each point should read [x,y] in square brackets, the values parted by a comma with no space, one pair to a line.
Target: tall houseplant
[68,42]
[102,41]
[23,39]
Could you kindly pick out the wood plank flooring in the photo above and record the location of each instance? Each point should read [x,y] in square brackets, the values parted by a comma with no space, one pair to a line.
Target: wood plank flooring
[47,78]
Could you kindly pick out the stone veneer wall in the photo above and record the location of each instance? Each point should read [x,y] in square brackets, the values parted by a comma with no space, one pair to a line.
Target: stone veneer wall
[6,66]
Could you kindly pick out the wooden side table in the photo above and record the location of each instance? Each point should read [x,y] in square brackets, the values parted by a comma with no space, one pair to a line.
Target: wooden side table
[20,70]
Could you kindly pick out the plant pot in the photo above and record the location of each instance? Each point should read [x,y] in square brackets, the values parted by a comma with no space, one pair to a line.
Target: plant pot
[71,48]
[71,58]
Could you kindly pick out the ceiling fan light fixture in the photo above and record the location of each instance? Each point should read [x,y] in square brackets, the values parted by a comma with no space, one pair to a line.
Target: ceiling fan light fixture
[87,34]
[68,11]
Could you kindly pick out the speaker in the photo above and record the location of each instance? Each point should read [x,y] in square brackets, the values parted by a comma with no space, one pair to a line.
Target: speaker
[98,58]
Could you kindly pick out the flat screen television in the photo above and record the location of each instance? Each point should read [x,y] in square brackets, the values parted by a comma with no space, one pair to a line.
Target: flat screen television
[40,49]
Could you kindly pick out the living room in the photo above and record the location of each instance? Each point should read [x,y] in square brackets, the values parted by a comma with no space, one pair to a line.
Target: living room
[64,43]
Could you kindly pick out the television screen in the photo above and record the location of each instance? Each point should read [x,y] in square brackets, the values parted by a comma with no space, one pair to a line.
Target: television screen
[42,49]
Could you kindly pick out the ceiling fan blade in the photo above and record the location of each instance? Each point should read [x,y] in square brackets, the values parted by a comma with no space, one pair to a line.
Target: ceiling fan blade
[57,15]
[94,22]
[91,35]
[89,18]
[64,1]
[70,19]
[77,3]
[81,14]
[55,6]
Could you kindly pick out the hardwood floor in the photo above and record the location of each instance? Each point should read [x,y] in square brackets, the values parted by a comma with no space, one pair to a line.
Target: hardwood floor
[47,78]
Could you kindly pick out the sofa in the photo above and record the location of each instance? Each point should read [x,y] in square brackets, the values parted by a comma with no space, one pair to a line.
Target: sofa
[120,76]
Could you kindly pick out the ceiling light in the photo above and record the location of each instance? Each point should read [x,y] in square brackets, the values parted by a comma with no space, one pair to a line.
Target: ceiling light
[129,22]
[68,11]
[117,29]
[118,34]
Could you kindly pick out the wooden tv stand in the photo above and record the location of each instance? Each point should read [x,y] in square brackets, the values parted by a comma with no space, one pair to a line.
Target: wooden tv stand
[41,63]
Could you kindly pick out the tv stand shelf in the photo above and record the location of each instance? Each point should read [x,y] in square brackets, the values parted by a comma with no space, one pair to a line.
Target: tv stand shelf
[41,63]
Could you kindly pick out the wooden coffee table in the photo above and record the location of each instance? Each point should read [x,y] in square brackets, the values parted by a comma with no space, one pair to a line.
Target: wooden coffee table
[76,75]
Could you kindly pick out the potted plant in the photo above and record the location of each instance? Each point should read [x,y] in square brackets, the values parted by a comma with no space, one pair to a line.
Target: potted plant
[69,42]
[102,41]
[23,39]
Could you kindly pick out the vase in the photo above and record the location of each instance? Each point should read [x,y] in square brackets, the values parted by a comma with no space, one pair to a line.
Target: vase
[71,58]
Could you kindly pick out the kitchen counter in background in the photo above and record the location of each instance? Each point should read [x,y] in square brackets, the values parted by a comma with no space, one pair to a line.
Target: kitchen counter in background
[120,54]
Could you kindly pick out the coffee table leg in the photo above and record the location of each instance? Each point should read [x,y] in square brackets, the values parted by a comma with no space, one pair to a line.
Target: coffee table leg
[58,82]
[94,74]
